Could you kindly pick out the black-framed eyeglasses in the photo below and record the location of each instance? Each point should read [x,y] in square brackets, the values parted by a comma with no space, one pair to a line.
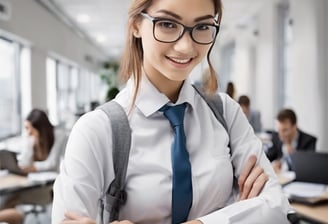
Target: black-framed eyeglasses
[169,31]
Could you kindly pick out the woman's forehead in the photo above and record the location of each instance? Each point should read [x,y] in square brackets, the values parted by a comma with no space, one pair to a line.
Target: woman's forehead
[186,9]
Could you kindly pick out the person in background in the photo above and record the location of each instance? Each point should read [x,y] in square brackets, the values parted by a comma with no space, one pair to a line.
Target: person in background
[164,44]
[253,116]
[43,146]
[11,216]
[287,140]
[231,90]
[42,150]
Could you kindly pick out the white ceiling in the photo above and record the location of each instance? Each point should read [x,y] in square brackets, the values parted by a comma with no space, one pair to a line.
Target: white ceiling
[107,18]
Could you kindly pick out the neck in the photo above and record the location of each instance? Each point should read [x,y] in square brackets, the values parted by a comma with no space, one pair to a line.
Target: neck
[166,86]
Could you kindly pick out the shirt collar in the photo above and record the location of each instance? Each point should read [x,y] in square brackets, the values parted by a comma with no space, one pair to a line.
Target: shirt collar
[149,99]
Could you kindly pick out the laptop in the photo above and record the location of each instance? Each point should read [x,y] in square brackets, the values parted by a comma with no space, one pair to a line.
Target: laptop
[8,161]
[310,166]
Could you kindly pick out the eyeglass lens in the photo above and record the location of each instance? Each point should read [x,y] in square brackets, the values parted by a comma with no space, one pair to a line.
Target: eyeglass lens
[169,31]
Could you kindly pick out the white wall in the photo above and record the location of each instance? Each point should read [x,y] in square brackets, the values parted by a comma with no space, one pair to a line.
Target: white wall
[309,73]
[267,64]
[32,22]
[308,91]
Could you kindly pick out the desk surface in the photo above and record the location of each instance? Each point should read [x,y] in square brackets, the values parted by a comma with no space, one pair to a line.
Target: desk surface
[12,183]
[317,212]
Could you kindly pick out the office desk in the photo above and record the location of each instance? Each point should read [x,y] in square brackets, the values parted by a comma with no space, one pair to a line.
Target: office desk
[317,213]
[12,183]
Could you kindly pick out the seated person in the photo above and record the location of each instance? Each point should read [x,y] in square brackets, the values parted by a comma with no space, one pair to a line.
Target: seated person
[253,116]
[230,90]
[42,150]
[287,140]
[43,147]
[11,216]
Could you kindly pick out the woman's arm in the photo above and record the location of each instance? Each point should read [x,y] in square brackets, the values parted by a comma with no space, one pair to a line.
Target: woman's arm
[250,182]
[86,169]
[271,206]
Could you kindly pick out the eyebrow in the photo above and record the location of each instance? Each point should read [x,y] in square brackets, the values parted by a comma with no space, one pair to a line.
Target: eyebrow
[180,18]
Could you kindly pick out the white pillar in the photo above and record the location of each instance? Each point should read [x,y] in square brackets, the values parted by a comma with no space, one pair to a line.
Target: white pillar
[38,78]
[267,64]
[308,92]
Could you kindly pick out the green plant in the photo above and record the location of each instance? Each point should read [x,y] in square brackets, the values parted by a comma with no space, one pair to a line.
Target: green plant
[108,75]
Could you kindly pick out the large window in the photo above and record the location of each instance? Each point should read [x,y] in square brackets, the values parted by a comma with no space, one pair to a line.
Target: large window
[71,87]
[226,69]
[10,116]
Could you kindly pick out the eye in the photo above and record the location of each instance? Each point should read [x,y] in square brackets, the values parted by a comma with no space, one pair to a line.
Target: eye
[203,27]
[166,24]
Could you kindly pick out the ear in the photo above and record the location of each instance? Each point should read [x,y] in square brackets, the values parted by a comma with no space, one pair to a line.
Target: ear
[136,33]
[136,28]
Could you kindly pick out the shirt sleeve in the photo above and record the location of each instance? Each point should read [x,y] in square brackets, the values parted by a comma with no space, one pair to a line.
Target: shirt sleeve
[271,206]
[25,158]
[86,167]
[53,160]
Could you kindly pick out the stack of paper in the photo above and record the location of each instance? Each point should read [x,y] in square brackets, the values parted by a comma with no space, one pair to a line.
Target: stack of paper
[42,176]
[305,192]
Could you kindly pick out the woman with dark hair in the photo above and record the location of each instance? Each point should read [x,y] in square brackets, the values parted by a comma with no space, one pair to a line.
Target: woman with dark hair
[42,150]
[43,145]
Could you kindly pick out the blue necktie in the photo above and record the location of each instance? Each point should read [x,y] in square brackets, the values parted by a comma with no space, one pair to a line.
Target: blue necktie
[181,180]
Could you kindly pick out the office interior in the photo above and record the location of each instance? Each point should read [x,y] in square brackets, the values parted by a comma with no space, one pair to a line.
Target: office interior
[274,51]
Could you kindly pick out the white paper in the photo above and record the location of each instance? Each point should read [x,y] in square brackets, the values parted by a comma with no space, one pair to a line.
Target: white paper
[4,173]
[42,176]
[303,189]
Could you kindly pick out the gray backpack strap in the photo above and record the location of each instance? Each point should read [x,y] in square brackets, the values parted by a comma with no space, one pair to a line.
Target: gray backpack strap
[215,103]
[121,137]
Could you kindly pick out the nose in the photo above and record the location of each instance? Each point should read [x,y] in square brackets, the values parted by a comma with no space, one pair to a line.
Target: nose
[185,44]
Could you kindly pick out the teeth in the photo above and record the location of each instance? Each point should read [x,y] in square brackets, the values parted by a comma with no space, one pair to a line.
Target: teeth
[181,61]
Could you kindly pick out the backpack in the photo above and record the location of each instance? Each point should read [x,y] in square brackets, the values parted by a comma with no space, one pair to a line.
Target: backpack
[121,136]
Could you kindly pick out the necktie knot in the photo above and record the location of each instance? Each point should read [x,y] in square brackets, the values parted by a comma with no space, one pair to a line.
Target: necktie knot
[175,114]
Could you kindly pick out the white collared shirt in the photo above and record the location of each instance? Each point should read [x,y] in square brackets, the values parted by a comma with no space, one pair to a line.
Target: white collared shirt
[87,168]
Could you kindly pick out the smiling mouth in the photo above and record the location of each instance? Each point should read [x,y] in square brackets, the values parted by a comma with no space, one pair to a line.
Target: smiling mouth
[180,61]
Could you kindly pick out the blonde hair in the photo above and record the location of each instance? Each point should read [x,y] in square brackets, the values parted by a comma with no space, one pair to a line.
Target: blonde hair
[132,60]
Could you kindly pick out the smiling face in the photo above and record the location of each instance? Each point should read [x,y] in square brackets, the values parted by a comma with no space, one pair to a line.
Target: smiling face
[171,63]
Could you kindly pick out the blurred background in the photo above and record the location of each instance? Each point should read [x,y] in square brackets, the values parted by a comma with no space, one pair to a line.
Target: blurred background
[63,55]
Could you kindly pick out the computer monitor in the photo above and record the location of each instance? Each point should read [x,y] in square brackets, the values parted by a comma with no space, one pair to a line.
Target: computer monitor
[310,166]
[8,161]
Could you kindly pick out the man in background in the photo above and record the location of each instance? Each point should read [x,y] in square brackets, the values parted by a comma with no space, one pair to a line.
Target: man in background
[287,140]
[253,116]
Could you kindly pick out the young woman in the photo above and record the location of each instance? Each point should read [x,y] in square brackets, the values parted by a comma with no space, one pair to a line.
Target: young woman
[43,146]
[166,40]
[42,150]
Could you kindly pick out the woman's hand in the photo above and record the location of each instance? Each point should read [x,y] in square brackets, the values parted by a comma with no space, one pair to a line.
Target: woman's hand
[73,218]
[193,222]
[252,179]
[28,169]
[122,222]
